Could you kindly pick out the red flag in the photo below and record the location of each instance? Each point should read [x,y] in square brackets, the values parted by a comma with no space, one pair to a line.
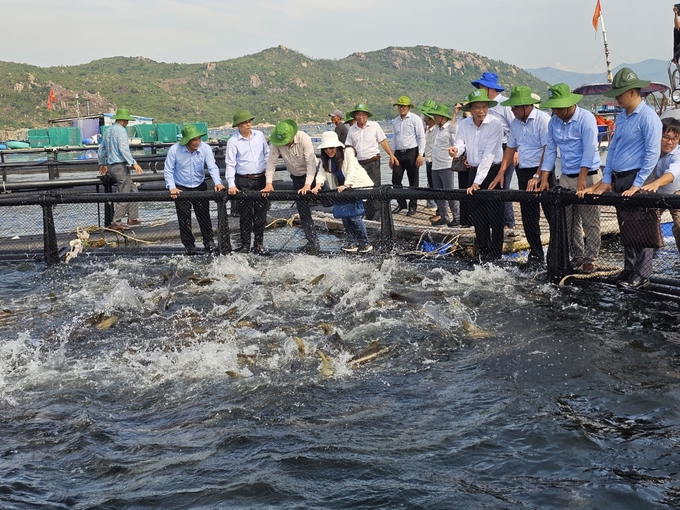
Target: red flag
[596,16]
[54,99]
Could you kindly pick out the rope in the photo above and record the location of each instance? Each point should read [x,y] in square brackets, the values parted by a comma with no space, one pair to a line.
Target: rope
[603,271]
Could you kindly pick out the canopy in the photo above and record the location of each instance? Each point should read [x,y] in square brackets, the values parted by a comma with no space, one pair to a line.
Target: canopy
[594,89]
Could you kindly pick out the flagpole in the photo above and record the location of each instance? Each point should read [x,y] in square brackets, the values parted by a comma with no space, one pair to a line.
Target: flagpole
[606,50]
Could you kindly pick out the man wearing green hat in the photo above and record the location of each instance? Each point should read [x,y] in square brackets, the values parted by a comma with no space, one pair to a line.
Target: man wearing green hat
[184,171]
[573,130]
[428,126]
[366,137]
[527,137]
[442,177]
[246,162]
[408,146]
[631,158]
[297,151]
[480,136]
[115,160]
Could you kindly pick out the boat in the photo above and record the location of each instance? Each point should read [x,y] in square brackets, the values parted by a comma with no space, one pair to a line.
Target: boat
[16,144]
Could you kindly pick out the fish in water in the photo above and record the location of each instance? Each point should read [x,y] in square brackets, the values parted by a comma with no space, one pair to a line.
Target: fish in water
[301,345]
[107,323]
[475,331]
[371,352]
[327,328]
[326,365]
[316,280]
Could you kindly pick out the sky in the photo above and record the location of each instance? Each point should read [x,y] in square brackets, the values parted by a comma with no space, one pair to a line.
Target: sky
[525,33]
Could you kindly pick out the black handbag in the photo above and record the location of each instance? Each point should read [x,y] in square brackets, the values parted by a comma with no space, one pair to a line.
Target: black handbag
[640,228]
[458,164]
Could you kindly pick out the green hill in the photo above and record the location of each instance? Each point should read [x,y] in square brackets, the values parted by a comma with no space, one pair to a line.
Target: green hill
[274,84]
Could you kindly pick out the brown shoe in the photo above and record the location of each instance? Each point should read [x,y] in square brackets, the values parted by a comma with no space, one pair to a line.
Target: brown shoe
[119,226]
[134,222]
[588,268]
[436,218]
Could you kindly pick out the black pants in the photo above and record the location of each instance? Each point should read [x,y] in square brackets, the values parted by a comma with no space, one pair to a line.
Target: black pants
[373,206]
[531,213]
[465,205]
[202,212]
[253,213]
[487,218]
[305,211]
[407,162]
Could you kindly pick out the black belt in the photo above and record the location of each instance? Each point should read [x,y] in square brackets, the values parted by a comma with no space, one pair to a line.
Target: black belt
[251,176]
[118,163]
[369,160]
[619,175]
[404,151]
[592,172]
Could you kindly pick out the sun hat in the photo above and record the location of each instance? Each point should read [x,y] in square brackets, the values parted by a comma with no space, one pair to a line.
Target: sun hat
[560,96]
[330,139]
[428,105]
[520,96]
[361,107]
[441,109]
[189,133]
[489,80]
[242,116]
[122,114]
[625,80]
[284,132]
[349,118]
[337,113]
[478,96]
[404,101]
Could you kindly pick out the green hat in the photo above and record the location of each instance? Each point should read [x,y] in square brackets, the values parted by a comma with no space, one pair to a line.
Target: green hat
[361,107]
[349,118]
[242,116]
[441,109]
[122,114]
[625,80]
[190,132]
[520,96]
[428,105]
[283,133]
[478,96]
[404,101]
[560,96]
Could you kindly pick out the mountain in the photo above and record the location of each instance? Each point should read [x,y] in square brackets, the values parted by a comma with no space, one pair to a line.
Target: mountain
[275,84]
[652,69]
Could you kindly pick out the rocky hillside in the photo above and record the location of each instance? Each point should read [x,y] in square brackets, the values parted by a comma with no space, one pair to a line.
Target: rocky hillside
[274,84]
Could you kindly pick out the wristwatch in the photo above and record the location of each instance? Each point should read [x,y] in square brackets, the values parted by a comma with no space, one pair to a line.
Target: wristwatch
[536,176]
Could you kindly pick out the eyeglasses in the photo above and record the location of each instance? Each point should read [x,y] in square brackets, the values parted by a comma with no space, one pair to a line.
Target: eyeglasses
[668,137]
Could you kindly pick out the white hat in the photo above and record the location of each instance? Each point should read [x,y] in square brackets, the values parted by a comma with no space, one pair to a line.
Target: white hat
[330,139]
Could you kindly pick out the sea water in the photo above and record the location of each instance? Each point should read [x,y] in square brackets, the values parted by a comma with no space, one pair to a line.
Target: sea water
[187,382]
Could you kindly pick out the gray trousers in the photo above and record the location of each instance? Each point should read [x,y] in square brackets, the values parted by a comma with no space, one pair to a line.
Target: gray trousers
[583,221]
[121,173]
[443,179]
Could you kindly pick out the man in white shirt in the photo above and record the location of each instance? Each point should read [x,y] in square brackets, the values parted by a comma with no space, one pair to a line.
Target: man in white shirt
[366,138]
[408,146]
[480,136]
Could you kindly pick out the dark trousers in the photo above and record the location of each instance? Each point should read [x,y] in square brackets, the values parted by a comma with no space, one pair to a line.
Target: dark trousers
[636,260]
[202,213]
[465,205]
[305,211]
[531,214]
[407,162]
[253,213]
[509,220]
[373,206]
[487,218]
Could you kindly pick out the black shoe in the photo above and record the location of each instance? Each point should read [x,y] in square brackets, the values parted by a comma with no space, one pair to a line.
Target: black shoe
[439,222]
[622,276]
[211,249]
[190,250]
[454,223]
[309,249]
[398,209]
[259,249]
[410,212]
[635,283]
[242,249]
[532,264]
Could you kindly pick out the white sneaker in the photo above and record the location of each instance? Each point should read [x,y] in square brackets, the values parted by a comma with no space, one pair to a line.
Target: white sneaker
[350,248]
[366,249]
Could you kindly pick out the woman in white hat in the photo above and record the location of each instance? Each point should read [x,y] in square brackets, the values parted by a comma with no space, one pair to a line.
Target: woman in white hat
[341,170]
